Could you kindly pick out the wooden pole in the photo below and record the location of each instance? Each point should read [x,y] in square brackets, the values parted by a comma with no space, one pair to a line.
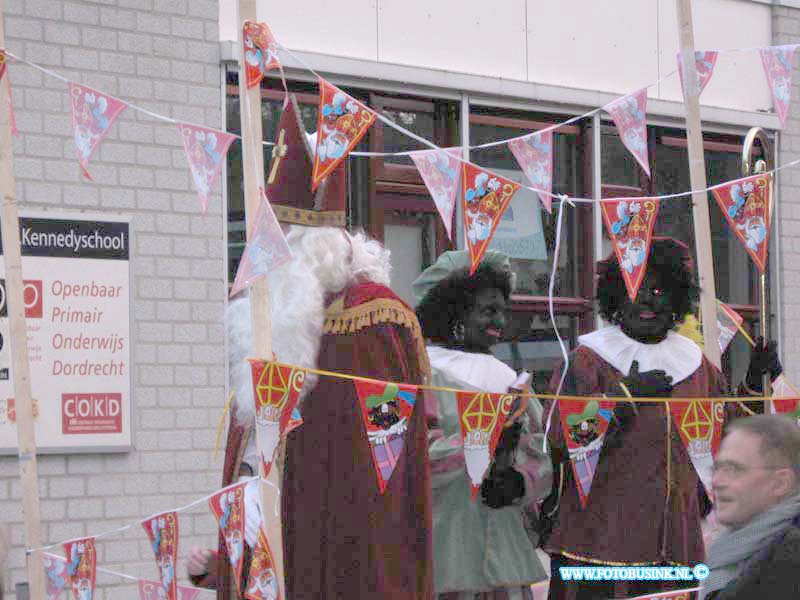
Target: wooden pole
[253,157]
[23,399]
[697,177]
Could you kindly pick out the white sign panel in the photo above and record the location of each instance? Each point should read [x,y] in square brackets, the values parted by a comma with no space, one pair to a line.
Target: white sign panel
[76,274]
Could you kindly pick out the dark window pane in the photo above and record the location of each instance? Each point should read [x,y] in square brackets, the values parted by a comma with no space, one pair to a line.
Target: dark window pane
[618,165]
[420,123]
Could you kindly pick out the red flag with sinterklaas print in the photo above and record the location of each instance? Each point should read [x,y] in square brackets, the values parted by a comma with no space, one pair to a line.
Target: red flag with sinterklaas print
[262,582]
[746,205]
[699,424]
[341,124]
[484,198]
[162,531]
[260,51]
[228,507]
[777,63]
[534,153]
[81,567]
[93,113]
[205,150]
[440,170]
[630,226]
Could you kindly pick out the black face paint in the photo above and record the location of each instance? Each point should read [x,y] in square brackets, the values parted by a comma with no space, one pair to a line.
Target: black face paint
[485,321]
[385,415]
[649,318]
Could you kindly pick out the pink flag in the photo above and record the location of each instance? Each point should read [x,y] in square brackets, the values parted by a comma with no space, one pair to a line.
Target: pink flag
[151,590]
[439,170]
[704,65]
[81,567]
[228,508]
[55,569]
[266,248]
[260,51]
[777,61]
[93,113]
[162,531]
[534,153]
[785,398]
[205,149]
[629,115]
[11,120]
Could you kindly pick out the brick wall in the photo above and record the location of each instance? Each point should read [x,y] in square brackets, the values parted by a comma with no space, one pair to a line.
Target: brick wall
[162,55]
[786,30]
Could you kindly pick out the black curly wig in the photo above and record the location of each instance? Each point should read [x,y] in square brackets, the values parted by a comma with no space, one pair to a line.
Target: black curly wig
[448,302]
[671,263]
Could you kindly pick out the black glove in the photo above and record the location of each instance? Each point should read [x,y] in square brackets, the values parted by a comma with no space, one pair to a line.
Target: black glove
[650,384]
[502,487]
[763,359]
[507,446]
[624,417]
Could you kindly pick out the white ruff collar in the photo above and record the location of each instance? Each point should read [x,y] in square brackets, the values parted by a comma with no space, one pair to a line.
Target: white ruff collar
[677,355]
[482,372]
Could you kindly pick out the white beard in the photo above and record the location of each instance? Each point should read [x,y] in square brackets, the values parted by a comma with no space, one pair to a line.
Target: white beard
[324,260]
[477,461]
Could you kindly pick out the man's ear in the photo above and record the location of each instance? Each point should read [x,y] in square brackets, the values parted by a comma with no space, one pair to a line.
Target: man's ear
[784,482]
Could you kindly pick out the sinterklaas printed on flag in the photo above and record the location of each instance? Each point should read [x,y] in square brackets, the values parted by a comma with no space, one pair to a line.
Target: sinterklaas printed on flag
[93,113]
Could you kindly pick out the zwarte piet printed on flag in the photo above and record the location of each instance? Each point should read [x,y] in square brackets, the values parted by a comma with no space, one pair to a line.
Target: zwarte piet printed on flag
[385,410]
[81,567]
[162,531]
[746,205]
[630,226]
[481,417]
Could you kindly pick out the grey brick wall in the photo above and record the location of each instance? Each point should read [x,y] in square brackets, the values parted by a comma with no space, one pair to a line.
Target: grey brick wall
[786,30]
[162,55]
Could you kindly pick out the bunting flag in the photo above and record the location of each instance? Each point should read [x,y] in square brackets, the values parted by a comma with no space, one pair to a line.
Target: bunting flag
[228,508]
[205,150]
[777,62]
[55,569]
[439,170]
[630,226]
[341,124]
[585,423]
[481,416]
[260,51]
[629,115]
[12,121]
[534,153]
[162,530]
[699,424]
[262,584]
[276,389]
[152,590]
[295,421]
[704,66]
[729,323]
[93,113]
[484,199]
[785,398]
[385,410]
[81,567]
[266,248]
[746,205]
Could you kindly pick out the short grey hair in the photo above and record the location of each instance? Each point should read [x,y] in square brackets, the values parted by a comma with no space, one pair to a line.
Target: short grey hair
[780,437]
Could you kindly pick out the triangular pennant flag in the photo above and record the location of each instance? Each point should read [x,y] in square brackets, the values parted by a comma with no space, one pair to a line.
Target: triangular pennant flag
[81,567]
[630,226]
[729,323]
[152,590]
[260,51]
[12,121]
[439,170]
[162,531]
[534,153]
[55,569]
[484,198]
[481,417]
[93,113]
[746,205]
[266,248]
[704,66]
[785,398]
[228,508]
[629,114]
[585,423]
[699,424]
[385,410]
[295,421]
[341,124]
[205,150]
[276,389]
[777,62]
[261,581]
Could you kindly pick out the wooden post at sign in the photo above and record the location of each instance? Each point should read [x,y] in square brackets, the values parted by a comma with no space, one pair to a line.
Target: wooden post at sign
[253,168]
[20,369]
[697,178]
